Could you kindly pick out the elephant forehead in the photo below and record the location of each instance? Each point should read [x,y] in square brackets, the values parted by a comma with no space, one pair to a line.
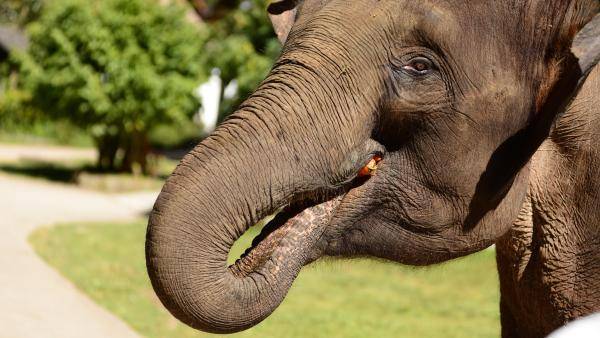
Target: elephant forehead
[434,12]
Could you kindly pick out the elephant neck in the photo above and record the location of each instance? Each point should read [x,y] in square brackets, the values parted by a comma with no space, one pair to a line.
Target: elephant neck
[548,262]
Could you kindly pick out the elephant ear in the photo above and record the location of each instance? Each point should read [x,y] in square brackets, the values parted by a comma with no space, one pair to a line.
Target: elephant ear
[283,15]
[585,55]
[511,156]
[586,46]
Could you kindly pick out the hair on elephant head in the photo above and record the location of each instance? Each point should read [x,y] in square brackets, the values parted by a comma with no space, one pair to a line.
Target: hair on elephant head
[394,129]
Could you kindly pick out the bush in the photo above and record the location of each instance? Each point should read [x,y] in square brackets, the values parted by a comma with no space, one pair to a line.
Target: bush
[243,46]
[171,136]
[115,68]
[19,11]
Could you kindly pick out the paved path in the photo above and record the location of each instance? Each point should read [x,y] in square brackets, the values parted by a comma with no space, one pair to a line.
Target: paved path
[16,152]
[35,300]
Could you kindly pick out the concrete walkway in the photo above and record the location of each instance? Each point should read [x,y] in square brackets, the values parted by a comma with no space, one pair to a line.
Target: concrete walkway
[16,152]
[35,300]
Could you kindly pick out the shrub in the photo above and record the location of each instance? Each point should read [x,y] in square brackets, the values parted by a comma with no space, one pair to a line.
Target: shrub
[116,68]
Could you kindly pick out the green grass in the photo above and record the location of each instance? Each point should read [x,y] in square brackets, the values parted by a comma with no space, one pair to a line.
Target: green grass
[358,298]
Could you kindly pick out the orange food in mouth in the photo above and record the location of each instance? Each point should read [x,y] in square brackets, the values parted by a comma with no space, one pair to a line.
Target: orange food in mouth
[370,168]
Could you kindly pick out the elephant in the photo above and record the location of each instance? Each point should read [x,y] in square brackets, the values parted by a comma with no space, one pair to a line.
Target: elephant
[411,131]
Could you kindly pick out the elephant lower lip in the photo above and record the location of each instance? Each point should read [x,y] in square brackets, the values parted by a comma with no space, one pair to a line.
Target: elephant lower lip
[297,221]
[302,222]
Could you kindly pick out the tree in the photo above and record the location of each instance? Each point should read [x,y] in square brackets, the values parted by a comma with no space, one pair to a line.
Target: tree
[19,12]
[241,44]
[211,10]
[116,68]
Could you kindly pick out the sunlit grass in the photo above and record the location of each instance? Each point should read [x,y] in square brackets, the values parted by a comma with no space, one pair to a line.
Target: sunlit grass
[358,298]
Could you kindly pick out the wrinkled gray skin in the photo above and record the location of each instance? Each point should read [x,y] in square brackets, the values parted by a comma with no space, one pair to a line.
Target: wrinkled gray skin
[470,158]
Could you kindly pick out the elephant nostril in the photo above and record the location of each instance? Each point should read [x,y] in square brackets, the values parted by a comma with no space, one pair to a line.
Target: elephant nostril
[370,168]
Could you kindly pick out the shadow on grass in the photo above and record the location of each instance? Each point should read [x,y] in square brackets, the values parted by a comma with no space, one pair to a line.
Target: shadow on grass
[83,175]
[39,169]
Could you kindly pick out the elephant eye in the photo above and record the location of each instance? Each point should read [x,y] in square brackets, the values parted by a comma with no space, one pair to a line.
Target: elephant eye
[418,66]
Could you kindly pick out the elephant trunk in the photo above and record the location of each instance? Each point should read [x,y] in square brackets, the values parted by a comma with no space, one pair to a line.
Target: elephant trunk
[273,152]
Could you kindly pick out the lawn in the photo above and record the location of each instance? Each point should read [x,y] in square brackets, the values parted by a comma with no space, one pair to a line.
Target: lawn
[358,298]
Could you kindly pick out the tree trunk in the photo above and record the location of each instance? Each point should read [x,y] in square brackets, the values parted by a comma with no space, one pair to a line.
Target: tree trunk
[108,146]
[136,149]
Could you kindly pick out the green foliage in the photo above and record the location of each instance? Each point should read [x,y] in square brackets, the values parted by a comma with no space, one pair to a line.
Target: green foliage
[19,11]
[242,44]
[118,68]
[115,68]
[166,136]
[11,106]
[22,123]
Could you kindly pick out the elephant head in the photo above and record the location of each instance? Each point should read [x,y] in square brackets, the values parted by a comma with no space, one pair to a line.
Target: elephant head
[394,129]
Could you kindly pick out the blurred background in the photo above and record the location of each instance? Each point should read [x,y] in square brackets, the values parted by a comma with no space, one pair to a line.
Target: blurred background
[99,99]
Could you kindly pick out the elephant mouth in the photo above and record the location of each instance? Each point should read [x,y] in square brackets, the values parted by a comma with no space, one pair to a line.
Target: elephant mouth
[298,221]
[301,221]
